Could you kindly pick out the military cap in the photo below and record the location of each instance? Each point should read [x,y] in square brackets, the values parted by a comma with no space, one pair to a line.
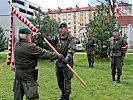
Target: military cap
[24,30]
[116,30]
[62,25]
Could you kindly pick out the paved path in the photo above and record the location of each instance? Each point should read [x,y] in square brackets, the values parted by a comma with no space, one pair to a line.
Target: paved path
[5,52]
[85,53]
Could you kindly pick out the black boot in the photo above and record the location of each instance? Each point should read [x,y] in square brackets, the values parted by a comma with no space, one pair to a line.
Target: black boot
[118,79]
[89,64]
[62,96]
[113,78]
[66,97]
[92,65]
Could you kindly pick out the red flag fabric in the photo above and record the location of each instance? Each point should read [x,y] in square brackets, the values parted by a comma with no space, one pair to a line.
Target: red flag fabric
[17,20]
[117,10]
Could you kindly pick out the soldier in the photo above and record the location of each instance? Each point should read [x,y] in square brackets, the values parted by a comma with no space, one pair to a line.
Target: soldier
[90,49]
[26,55]
[116,50]
[65,44]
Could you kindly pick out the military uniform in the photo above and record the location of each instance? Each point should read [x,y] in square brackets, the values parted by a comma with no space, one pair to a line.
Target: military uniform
[65,45]
[26,55]
[90,50]
[116,52]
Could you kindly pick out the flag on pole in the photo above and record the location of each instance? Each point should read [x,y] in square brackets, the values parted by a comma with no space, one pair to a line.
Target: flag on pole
[17,20]
[117,10]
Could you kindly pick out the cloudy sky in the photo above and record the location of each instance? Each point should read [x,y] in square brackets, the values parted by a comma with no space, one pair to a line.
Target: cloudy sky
[54,4]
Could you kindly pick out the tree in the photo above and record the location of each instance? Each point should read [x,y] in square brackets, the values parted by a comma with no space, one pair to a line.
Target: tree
[102,26]
[111,4]
[46,26]
[3,40]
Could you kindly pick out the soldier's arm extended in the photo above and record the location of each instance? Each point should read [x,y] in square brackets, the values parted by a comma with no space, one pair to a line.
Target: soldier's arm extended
[42,53]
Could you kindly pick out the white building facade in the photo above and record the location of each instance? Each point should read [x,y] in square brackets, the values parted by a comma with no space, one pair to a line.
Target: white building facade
[26,8]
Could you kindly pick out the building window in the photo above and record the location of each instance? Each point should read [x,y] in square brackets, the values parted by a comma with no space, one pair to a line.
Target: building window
[64,19]
[94,13]
[74,22]
[30,13]
[69,23]
[18,1]
[74,26]
[69,14]
[69,27]
[32,7]
[22,10]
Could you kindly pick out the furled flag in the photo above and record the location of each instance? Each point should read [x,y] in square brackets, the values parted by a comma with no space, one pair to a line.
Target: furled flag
[117,10]
[17,20]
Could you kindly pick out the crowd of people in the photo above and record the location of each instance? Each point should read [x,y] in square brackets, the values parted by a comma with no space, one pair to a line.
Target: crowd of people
[26,55]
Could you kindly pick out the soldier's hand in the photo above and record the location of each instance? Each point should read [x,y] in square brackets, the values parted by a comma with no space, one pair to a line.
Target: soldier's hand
[60,56]
[42,36]
[66,60]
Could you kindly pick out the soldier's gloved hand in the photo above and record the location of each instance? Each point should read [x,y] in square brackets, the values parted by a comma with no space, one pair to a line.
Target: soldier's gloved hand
[42,36]
[66,60]
[60,56]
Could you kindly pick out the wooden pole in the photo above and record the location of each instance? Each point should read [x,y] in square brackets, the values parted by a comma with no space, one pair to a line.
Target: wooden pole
[67,64]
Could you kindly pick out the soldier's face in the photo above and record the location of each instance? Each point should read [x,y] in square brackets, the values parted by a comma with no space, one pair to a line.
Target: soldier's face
[29,37]
[115,33]
[89,35]
[63,30]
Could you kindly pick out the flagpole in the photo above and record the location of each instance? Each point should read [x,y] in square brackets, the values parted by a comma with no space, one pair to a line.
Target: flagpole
[117,13]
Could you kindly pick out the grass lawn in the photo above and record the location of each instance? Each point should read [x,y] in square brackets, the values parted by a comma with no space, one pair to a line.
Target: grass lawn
[98,85]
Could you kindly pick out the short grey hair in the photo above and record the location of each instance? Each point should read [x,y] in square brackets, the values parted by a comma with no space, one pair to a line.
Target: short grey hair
[22,36]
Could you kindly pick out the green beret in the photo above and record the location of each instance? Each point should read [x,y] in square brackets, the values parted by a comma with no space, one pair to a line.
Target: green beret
[62,25]
[24,30]
[116,30]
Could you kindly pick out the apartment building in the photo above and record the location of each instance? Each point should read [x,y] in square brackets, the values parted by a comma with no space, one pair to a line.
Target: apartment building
[25,7]
[78,17]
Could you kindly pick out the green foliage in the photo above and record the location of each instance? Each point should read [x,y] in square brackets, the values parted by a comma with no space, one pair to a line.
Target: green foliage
[102,26]
[46,26]
[3,40]
[98,85]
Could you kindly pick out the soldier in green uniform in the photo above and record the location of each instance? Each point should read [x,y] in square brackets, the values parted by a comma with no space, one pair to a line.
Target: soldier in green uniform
[65,44]
[90,49]
[26,54]
[116,51]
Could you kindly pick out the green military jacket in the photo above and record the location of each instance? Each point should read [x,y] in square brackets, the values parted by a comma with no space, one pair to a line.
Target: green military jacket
[115,47]
[65,45]
[90,44]
[26,55]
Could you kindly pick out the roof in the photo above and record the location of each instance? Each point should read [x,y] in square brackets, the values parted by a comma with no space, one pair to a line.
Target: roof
[125,20]
[78,9]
